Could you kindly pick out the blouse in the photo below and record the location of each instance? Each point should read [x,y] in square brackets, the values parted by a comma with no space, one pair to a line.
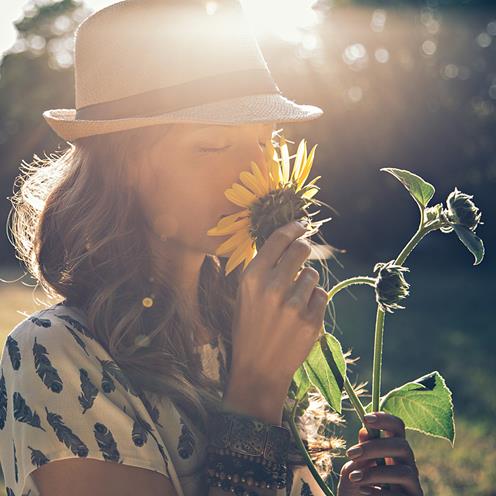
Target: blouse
[63,396]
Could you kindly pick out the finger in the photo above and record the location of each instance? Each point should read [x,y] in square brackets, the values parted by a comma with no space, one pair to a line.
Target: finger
[396,448]
[352,465]
[277,243]
[302,289]
[391,424]
[403,475]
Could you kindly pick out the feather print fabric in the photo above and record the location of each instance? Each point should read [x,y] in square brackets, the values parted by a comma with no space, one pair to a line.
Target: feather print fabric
[63,396]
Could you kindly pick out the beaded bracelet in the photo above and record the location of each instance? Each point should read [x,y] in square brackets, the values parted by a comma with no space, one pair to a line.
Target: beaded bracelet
[252,471]
[229,486]
[245,449]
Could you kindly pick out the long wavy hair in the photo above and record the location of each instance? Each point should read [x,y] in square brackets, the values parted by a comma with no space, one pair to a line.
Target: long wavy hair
[80,230]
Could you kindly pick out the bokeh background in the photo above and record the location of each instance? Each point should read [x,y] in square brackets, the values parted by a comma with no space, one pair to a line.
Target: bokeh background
[408,84]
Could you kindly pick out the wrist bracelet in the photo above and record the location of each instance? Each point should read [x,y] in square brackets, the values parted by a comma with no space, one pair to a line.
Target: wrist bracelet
[249,472]
[247,435]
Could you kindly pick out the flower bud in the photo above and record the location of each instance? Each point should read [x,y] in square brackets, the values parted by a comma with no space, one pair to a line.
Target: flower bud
[391,287]
[462,210]
[433,213]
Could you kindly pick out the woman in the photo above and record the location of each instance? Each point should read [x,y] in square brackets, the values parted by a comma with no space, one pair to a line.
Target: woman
[152,345]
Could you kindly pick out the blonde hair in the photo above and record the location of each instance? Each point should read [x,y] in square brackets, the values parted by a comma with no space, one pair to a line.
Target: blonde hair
[80,230]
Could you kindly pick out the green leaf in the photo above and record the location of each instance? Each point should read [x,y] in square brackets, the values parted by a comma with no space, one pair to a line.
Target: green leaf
[421,190]
[302,383]
[471,241]
[326,369]
[424,405]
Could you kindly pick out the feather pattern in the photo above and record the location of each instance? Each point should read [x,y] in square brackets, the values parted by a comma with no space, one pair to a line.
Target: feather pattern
[141,429]
[106,442]
[152,409]
[14,353]
[16,469]
[9,491]
[3,402]
[289,480]
[38,458]
[79,341]
[305,489]
[65,434]
[41,322]
[44,369]
[75,324]
[186,441]
[88,389]
[110,368]
[23,413]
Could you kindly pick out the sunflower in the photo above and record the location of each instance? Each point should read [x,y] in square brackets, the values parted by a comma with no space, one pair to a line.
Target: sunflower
[270,195]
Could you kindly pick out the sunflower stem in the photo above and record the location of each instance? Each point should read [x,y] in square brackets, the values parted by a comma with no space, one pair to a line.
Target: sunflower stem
[348,282]
[422,231]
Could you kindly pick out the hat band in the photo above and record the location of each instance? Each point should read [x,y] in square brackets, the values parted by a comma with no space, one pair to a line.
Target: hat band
[193,93]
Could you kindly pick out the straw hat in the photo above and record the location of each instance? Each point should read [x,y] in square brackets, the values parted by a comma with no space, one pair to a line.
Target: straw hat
[146,62]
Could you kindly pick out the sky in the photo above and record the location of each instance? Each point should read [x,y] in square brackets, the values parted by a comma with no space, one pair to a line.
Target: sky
[11,10]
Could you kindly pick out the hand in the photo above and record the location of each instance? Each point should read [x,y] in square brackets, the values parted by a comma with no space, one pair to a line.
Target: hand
[400,471]
[279,312]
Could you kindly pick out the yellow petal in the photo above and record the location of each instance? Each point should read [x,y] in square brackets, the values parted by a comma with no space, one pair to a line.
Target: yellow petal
[275,176]
[225,221]
[252,183]
[240,195]
[239,254]
[228,229]
[298,162]
[285,160]
[262,176]
[310,193]
[307,168]
[252,253]
[232,243]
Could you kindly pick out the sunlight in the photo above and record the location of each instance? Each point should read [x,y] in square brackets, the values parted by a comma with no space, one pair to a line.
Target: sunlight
[287,19]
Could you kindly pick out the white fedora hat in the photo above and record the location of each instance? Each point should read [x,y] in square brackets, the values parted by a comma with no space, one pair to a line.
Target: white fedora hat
[147,62]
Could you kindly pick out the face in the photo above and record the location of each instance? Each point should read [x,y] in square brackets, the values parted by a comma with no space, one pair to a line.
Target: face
[182,186]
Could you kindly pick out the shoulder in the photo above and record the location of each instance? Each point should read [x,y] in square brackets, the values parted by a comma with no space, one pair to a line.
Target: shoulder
[53,324]
[57,333]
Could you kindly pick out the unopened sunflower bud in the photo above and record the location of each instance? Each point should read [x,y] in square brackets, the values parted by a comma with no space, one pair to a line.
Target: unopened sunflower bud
[462,210]
[391,287]
[433,213]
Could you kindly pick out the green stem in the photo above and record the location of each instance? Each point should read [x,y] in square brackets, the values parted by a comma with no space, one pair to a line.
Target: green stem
[325,488]
[348,282]
[355,401]
[422,231]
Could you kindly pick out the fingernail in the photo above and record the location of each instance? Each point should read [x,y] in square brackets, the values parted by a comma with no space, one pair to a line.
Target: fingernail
[356,475]
[370,417]
[365,491]
[354,452]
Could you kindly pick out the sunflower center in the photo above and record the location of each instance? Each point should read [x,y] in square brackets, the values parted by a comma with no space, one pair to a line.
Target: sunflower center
[277,208]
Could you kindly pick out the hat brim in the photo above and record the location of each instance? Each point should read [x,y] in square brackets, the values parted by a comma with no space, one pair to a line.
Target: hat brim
[271,107]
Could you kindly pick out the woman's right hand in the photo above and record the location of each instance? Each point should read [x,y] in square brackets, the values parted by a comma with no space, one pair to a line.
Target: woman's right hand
[277,318]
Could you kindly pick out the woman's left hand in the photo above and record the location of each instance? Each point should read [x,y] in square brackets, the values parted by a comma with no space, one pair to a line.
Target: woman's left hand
[400,471]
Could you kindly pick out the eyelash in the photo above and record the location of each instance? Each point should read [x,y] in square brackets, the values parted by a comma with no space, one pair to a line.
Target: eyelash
[218,150]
